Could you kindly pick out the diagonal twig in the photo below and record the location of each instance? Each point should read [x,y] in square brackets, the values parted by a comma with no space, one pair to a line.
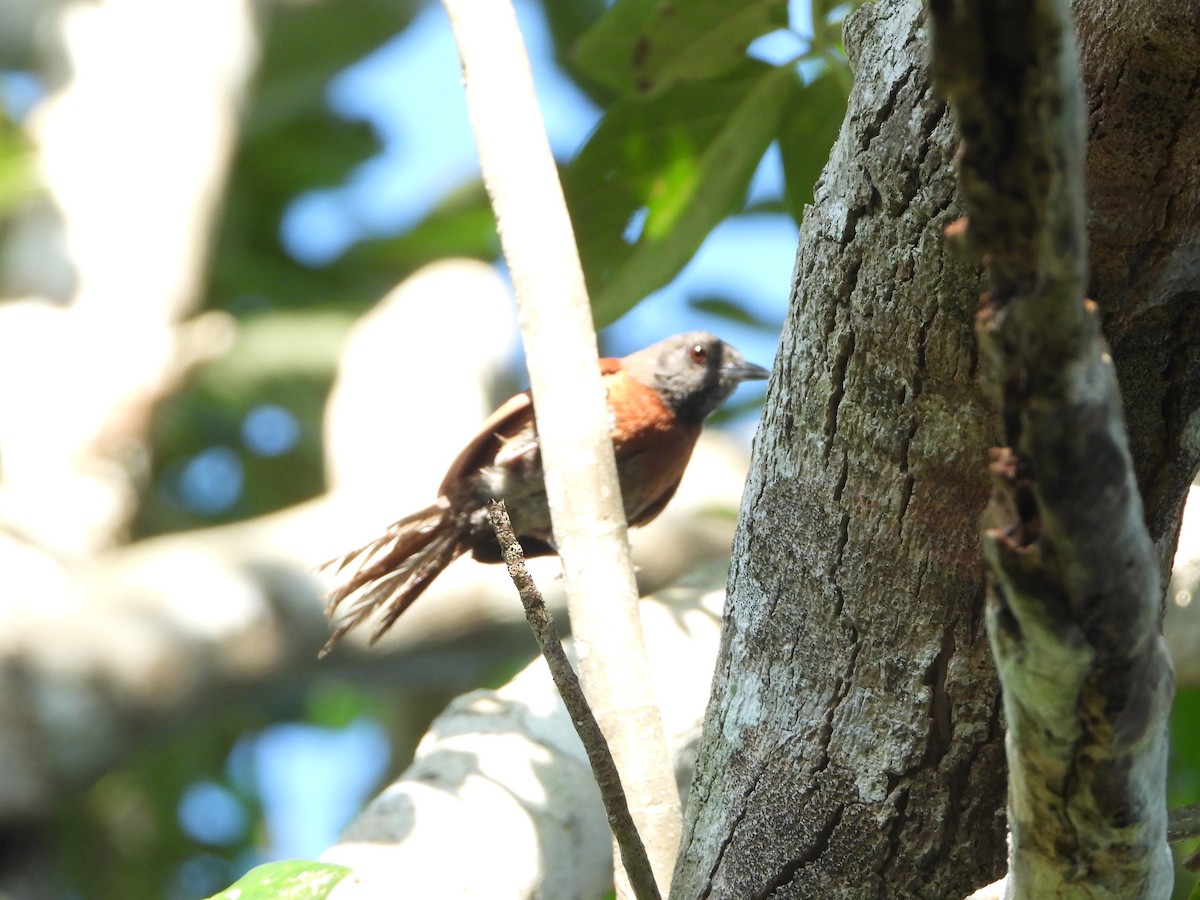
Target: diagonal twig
[633,851]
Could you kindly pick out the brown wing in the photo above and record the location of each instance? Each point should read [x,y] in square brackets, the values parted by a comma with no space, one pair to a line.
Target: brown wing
[514,416]
[507,423]
[652,447]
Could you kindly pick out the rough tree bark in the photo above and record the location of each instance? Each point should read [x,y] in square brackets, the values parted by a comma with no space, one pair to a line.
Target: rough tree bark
[853,746]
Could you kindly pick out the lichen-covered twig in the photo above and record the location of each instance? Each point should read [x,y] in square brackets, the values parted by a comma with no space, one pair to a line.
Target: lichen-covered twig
[1075,592]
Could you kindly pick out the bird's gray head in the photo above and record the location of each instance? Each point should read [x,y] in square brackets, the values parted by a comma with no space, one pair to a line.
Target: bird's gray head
[694,373]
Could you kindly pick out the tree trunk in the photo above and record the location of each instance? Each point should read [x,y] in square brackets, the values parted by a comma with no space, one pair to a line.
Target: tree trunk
[853,745]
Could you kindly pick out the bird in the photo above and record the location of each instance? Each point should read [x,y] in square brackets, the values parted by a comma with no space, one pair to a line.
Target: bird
[657,400]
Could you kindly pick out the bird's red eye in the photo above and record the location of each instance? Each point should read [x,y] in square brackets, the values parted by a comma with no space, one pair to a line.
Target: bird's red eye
[699,353]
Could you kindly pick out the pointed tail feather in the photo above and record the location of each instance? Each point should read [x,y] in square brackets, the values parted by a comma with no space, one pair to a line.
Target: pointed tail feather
[412,527]
[395,569]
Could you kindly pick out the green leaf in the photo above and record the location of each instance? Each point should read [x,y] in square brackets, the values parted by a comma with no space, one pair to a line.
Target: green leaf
[567,23]
[607,51]
[298,44]
[810,127]
[648,46]
[727,308]
[18,168]
[293,879]
[680,163]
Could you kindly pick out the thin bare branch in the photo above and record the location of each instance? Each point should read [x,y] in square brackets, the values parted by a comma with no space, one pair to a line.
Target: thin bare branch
[633,851]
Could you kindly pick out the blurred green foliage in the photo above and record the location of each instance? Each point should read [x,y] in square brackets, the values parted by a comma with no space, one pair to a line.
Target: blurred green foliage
[282,358]
[18,180]
[1183,785]
[290,143]
[672,166]
[122,837]
[646,47]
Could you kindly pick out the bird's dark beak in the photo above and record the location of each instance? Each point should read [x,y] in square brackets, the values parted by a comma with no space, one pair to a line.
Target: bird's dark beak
[744,371]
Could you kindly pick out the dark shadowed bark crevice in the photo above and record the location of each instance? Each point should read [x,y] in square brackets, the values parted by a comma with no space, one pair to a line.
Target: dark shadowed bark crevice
[1142,94]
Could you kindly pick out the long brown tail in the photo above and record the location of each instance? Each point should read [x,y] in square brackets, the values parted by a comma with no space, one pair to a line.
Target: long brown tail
[414,552]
